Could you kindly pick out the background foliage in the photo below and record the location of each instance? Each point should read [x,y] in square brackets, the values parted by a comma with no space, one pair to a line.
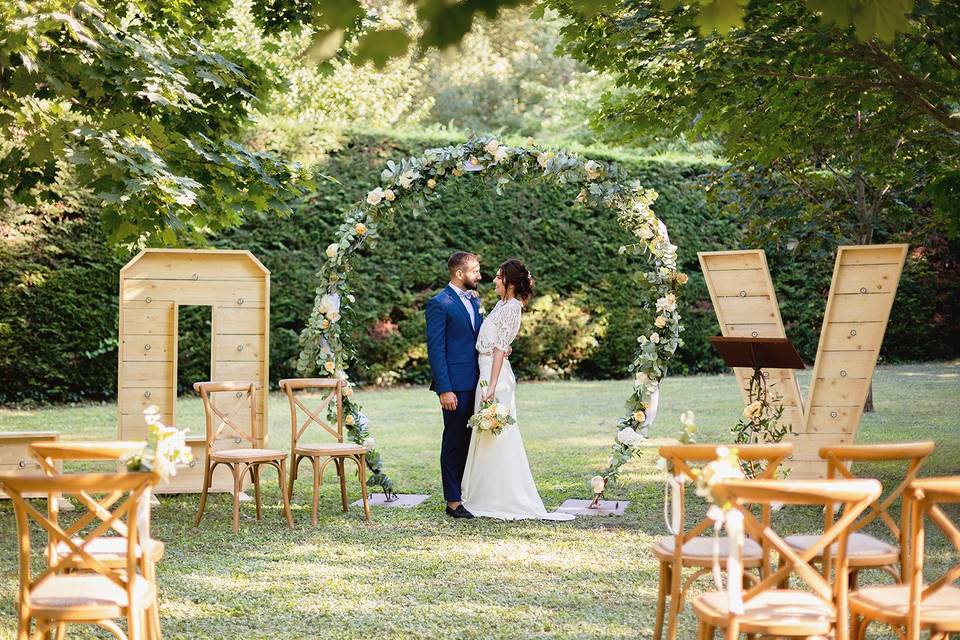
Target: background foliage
[58,279]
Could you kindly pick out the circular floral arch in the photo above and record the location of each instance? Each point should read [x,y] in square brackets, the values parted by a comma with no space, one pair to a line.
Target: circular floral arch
[326,349]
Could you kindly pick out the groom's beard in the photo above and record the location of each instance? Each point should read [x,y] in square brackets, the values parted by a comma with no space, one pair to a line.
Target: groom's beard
[470,285]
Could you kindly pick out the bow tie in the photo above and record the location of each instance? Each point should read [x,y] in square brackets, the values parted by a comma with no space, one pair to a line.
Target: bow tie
[468,295]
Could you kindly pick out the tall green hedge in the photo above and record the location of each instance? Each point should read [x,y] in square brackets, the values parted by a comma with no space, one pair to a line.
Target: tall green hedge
[58,280]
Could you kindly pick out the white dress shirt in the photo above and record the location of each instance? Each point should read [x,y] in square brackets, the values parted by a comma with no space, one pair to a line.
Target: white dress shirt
[465,299]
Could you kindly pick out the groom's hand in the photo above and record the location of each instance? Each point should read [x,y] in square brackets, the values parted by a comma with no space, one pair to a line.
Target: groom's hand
[448,401]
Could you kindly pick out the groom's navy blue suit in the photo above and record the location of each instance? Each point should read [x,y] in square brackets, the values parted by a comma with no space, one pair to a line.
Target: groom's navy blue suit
[451,347]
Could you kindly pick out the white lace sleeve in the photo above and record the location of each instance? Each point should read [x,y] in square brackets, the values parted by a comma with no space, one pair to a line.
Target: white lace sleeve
[507,324]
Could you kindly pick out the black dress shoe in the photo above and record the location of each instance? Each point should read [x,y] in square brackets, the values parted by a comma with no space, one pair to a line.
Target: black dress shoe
[459,512]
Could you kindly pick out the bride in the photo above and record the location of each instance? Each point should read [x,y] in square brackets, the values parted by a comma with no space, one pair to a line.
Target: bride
[497,482]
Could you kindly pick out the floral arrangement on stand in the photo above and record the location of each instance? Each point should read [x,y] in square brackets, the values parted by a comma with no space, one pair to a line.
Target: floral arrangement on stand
[760,421]
[166,448]
[412,182]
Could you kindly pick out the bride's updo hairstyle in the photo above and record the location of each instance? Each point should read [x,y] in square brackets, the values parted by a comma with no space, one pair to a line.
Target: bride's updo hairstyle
[515,273]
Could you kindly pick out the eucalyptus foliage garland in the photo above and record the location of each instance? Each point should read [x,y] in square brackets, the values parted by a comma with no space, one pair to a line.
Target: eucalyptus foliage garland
[413,182]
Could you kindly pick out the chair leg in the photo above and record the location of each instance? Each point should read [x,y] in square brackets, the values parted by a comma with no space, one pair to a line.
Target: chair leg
[61,631]
[342,473]
[154,614]
[362,472]
[23,622]
[316,489]
[207,476]
[255,472]
[134,630]
[281,476]
[237,477]
[675,577]
[293,475]
[664,577]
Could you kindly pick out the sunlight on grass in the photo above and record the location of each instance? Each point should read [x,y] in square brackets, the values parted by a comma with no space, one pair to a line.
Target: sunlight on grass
[416,573]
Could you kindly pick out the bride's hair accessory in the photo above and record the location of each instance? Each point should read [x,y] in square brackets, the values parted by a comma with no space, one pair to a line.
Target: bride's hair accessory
[515,273]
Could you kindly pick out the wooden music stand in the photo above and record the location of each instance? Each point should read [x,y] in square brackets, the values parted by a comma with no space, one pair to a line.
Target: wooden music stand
[758,353]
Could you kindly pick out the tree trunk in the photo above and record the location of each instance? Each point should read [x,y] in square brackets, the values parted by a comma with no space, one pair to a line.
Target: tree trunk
[868,405]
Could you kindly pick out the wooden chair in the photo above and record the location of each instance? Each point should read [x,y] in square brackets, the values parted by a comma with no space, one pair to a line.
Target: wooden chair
[239,461]
[863,550]
[767,610]
[100,594]
[689,548]
[322,454]
[915,606]
[110,550]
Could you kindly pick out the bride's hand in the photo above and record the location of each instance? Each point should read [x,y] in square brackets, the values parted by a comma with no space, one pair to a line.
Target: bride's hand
[489,395]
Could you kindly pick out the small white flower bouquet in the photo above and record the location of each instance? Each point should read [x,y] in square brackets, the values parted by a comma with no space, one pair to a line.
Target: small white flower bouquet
[492,416]
[166,448]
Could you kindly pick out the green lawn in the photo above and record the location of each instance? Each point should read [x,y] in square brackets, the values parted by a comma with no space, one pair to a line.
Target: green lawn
[417,573]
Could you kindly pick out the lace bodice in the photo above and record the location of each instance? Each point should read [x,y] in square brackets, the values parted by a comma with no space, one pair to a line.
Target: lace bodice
[500,327]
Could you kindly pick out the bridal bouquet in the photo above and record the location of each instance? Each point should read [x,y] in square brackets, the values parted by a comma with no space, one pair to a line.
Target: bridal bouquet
[492,416]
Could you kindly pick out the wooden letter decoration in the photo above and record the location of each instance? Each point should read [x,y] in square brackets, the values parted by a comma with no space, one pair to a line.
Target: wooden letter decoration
[865,280]
[153,286]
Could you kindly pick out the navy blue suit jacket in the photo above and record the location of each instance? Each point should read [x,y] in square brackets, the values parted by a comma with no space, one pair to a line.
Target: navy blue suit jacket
[451,342]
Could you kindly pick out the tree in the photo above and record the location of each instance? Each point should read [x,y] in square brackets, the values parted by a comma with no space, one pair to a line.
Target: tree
[856,128]
[143,107]
[851,132]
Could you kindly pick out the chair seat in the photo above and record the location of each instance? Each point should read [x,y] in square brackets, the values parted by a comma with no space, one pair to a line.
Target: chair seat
[698,552]
[248,455]
[112,551]
[888,603]
[330,449]
[863,550]
[776,612]
[85,596]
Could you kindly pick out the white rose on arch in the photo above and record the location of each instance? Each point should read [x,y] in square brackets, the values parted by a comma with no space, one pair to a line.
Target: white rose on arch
[407,177]
[492,147]
[375,196]
[628,437]
[332,250]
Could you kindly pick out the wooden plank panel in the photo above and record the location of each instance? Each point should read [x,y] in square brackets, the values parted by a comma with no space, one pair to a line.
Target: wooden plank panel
[851,336]
[868,278]
[753,330]
[133,426]
[146,348]
[195,292]
[147,374]
[186,265]
[135,400]
[846,364]
[152,320]
[839,392]
[860,307]
[740,283]
[838,420]
[241,320]
[872,254]
[724,260]
[239,370]
[244,348]
[752,309]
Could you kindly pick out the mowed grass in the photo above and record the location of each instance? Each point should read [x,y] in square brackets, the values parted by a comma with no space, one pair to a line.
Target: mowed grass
[419,574]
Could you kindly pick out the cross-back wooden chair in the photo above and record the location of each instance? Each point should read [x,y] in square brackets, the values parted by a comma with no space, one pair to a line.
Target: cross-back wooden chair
[863,550]
[820,610]
[99,594]
[917,605]
[239,461]
[322,454]
[688,547]
[110,550]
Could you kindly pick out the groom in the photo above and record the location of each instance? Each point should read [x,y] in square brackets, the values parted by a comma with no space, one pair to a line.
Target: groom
[453,321]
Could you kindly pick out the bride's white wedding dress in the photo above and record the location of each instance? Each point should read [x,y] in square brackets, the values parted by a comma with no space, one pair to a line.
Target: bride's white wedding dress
[497,482]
